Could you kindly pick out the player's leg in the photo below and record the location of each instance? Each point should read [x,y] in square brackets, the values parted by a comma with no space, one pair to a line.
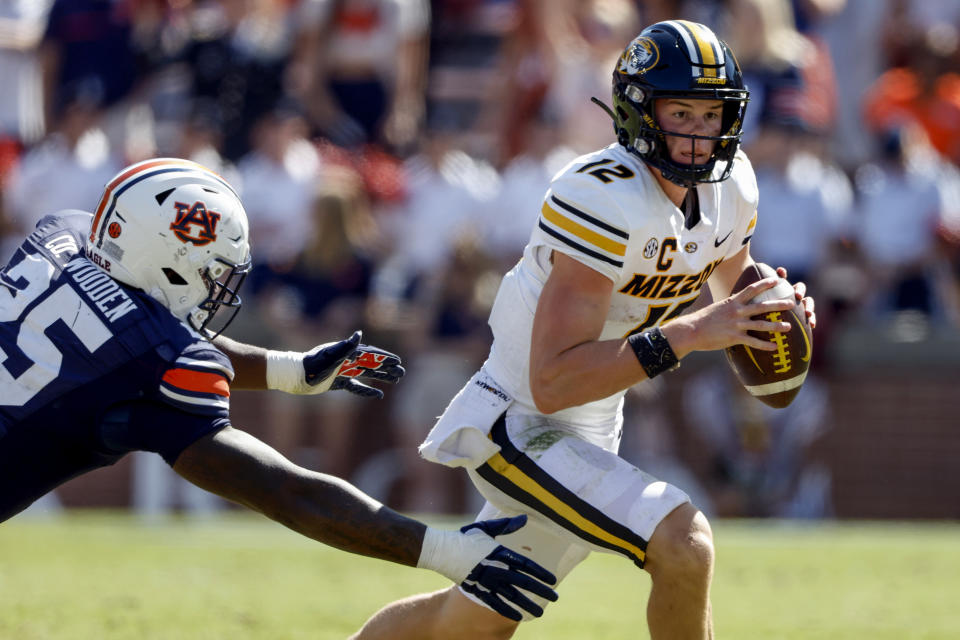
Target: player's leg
[579,497]
[609,505]
[451,613]
[680,563]
[441,614]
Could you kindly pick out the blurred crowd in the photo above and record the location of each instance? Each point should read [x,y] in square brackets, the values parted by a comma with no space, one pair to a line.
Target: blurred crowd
[392,156]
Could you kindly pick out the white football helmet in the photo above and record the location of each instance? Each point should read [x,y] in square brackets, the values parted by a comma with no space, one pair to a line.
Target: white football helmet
[177,231]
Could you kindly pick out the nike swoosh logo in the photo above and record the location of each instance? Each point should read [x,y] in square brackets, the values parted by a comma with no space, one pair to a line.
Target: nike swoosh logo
[806,340]
[717,243]
[753,358]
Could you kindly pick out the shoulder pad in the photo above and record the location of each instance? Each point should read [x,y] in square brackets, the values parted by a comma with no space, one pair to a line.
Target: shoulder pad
[60,236]
[582,217]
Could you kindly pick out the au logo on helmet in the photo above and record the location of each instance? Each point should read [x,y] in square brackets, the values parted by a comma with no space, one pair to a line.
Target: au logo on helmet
[197,214]
[642,54]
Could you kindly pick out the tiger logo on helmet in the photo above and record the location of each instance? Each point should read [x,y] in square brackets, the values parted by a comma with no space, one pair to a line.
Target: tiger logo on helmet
[640,55]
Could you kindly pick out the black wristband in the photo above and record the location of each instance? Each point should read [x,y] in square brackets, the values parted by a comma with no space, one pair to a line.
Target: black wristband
[653,351]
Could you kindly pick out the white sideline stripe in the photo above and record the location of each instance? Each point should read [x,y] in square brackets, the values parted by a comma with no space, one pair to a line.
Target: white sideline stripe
[777,387]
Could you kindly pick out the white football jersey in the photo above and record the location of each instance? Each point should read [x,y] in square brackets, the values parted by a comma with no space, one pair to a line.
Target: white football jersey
[607,210]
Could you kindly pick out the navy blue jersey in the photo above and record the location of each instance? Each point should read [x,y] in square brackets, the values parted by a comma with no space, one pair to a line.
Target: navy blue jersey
[91,369]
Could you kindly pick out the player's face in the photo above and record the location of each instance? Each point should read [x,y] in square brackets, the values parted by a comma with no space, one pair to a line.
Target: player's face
[689,117]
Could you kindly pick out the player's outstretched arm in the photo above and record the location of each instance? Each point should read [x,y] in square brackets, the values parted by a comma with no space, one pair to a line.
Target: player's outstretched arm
[241,468]
[335,365]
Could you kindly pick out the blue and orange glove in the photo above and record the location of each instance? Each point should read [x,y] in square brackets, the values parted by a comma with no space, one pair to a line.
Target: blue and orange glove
[333,366]
[488,570]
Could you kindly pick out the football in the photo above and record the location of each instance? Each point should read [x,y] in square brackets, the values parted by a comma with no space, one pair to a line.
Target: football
[773,377]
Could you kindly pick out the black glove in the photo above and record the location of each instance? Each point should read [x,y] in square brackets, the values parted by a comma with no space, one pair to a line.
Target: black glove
[496,578]
[341,365]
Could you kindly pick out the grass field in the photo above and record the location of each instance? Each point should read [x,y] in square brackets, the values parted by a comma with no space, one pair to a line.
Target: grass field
[103,576]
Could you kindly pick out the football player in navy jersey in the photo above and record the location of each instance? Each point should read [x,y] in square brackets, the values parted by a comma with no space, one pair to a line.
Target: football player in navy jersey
[626,239]
[109,343]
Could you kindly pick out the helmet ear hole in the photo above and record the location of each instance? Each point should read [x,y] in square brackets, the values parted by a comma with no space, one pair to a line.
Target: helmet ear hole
[162,196]
[173,277]
[623,115]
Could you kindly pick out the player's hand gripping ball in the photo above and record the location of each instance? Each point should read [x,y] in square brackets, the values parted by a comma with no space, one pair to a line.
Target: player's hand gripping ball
[774,377]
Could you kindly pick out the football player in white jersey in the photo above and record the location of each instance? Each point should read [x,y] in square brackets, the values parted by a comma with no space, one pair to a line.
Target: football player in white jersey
[626,239]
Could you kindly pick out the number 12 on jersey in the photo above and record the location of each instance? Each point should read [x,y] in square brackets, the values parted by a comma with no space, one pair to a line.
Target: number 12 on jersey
[606,174]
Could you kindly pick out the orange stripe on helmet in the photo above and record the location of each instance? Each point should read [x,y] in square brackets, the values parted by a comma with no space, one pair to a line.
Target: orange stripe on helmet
[198,381]
[140,167]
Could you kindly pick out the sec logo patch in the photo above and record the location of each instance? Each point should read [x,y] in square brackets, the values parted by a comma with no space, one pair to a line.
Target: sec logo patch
[114,229]
[650,249]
